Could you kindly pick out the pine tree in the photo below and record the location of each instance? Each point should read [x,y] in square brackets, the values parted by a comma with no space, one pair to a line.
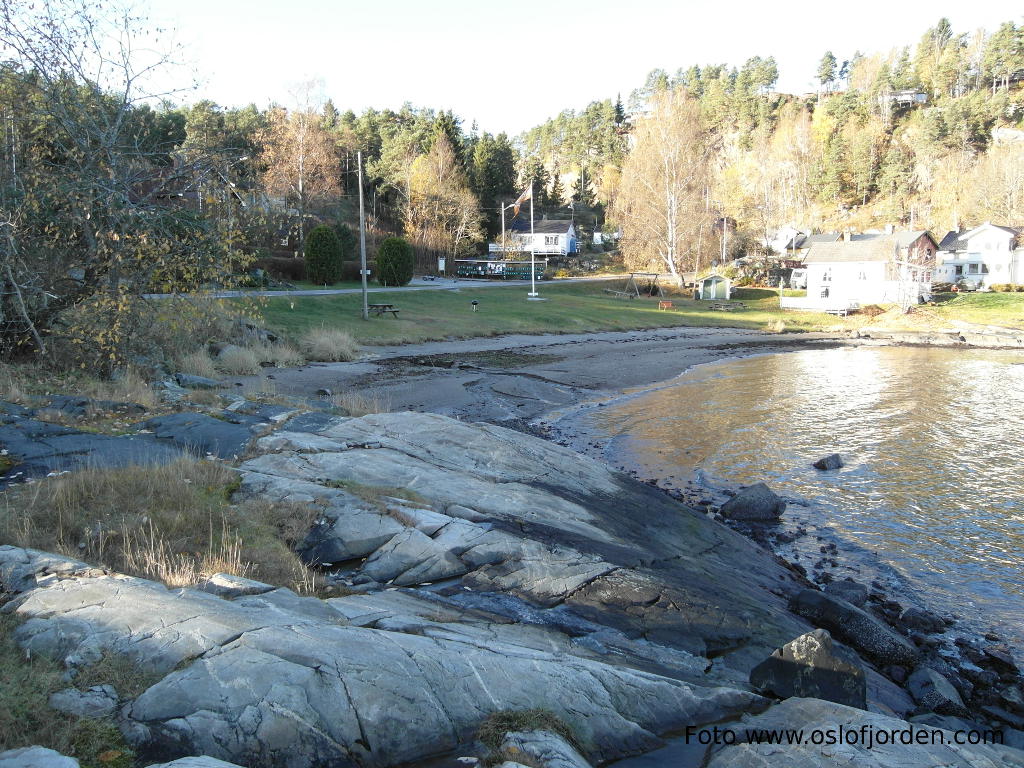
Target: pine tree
[555,197]
[827,69]
[582,190]
[620,112]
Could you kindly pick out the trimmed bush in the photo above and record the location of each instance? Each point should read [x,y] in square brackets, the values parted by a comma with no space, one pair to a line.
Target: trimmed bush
[349,242]
[323,256]
[395,262]
[283,267]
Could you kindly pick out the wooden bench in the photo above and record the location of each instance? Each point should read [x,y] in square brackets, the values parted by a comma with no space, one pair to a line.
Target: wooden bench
[664,305]
[620,294]
[380,309]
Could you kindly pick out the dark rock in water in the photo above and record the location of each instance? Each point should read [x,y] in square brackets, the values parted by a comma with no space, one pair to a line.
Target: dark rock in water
[855,627]
[832,461]
[1000,657]
[935,693]
[848,590]
[192,381]
[920,619]
[811,667]
[324,392]
[983,678]
[755,503]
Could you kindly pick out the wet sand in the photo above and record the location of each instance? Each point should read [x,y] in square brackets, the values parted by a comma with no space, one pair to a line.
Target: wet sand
[519,378]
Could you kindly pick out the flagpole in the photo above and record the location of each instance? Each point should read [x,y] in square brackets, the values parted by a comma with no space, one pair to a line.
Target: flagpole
[533,251]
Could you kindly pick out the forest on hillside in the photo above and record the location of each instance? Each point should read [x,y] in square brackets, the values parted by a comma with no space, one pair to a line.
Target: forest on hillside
[110,188]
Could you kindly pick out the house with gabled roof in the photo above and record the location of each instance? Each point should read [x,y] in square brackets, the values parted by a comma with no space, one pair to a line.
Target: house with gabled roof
[883,268]
[550,237]
[986,255]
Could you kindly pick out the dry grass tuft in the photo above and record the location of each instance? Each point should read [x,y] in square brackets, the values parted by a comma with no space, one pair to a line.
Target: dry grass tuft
[776,326]
[361,403]
[20,382]
[198,363]
[493,730]
[329,345]
[238,361]
[174,523]
[281,354]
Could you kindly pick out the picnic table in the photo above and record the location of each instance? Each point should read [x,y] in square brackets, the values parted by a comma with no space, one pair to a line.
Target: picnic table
[380,309]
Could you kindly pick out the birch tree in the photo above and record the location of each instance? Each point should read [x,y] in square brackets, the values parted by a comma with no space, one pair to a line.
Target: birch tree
[661,201]
[299,155]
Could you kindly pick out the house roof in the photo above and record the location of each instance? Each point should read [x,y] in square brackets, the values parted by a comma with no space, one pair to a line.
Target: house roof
[863,247]
[951,242]
[958,241]
[543,227]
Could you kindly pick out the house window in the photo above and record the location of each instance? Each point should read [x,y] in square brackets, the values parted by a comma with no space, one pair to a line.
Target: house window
[862,275]
[984,269]
[550,239]
[972,269]
[959,269]
[826,276]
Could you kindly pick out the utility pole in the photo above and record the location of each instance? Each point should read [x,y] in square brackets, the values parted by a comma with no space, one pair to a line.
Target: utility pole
[533,252]
[362,235]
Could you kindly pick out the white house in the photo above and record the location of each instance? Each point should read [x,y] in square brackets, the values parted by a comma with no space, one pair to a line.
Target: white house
[983,256]
[891,268]
[551,237]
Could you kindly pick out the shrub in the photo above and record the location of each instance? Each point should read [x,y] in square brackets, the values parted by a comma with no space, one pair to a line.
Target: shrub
[349,242]
[1007,287]
[329,345]
[323,256]
[283,268]
[395,262]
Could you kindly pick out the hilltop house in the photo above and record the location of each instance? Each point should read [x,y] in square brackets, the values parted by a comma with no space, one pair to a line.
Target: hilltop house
[889,268]
[984,256]
[551,237]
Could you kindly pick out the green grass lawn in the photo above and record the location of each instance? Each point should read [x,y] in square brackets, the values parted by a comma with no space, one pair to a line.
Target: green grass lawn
[572,308]
[1003,309]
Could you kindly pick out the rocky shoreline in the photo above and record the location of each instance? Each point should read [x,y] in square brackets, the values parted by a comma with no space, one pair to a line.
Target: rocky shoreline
[480,572]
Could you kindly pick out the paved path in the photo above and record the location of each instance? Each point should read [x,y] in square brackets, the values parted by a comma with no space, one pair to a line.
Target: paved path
[417,284]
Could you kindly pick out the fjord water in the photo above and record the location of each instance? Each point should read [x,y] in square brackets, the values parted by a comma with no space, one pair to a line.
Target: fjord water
[933,440]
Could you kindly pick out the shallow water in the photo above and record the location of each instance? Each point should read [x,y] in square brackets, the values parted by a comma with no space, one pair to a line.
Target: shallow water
[933,441]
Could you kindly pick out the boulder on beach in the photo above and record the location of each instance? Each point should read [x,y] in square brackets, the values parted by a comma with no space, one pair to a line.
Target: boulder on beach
[935,693]
[755,503]
[848,590]
[854,627]
[811,666]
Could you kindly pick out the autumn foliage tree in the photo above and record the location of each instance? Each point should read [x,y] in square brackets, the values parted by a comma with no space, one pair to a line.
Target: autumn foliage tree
[85,223]
[442,215]
[299,157]
[660,204]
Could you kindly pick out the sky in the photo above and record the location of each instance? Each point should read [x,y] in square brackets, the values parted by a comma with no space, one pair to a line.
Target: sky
[510,66]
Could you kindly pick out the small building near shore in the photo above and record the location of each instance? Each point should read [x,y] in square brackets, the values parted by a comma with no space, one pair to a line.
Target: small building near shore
[714,287]
[984,256]
[884,268]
